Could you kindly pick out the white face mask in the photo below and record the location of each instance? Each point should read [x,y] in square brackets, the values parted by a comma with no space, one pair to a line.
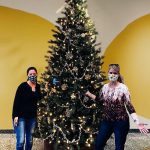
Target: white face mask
[113,77]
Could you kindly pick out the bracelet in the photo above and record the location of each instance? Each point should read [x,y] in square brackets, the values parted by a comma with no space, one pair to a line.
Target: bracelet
[137,122]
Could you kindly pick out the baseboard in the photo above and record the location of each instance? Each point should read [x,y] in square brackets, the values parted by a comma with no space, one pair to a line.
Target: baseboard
[11,131]
[8,131]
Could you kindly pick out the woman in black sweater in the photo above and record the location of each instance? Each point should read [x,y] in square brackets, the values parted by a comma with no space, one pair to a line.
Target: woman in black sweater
[25,109]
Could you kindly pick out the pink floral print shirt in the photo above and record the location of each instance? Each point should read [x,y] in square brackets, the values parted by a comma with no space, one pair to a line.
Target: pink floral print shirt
[116,102]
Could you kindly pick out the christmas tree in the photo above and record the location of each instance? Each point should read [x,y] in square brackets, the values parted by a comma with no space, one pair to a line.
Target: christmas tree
[66,117]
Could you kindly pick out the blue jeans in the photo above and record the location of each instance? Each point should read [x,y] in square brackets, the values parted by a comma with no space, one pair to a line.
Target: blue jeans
[25,128]
[120,129]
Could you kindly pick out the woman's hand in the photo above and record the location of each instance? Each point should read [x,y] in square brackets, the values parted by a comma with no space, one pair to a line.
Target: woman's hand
[142,128]
[90,95]
[15,121]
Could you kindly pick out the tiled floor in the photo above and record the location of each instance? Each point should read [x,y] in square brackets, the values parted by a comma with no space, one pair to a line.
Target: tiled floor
[7,142]
[135,141]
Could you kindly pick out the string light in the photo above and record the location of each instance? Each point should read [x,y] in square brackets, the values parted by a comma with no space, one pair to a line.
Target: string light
[70,46]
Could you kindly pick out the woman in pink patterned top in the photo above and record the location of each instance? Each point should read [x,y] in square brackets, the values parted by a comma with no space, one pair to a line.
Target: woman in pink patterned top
[116,103]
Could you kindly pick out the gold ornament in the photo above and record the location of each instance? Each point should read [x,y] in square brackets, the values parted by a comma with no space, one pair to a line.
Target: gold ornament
[73,96]
[83,35]
[53,90]
[96,86]
[75,69]
[69,55]
[64,87]
[87,77]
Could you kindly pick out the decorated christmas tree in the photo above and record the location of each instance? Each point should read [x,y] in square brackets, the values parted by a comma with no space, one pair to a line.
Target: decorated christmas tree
[66,117]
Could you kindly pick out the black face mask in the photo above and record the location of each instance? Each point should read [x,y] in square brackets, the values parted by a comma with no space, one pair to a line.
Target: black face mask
[32,79]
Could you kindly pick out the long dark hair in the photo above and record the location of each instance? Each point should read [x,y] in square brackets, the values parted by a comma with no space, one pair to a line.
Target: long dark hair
[31,68]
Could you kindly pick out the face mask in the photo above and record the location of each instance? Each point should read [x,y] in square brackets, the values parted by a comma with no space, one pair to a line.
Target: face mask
[113,77]
[32,78]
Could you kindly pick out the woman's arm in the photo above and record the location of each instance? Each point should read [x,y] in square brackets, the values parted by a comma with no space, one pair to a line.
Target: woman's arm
[89,94]
[141,126]
[135,118]
[15,111]
[131,110]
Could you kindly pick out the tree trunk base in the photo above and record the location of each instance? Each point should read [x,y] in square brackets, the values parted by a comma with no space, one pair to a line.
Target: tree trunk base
[49,146]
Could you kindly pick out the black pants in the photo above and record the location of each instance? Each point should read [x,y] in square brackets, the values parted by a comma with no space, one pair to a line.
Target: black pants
[120,129]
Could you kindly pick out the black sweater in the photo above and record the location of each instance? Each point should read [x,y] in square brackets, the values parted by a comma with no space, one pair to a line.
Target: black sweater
[25,102]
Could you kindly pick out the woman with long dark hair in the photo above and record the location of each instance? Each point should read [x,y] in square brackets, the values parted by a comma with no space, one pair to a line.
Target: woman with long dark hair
[25,110]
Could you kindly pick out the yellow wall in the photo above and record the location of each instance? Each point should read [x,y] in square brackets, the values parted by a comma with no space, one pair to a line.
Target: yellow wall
[23,43]
[131,49]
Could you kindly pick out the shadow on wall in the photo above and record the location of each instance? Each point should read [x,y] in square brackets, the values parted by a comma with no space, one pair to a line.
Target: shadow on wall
[23,43]
[131,49]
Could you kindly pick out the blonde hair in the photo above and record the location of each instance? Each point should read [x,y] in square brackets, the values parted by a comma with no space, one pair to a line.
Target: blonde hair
[116,67]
